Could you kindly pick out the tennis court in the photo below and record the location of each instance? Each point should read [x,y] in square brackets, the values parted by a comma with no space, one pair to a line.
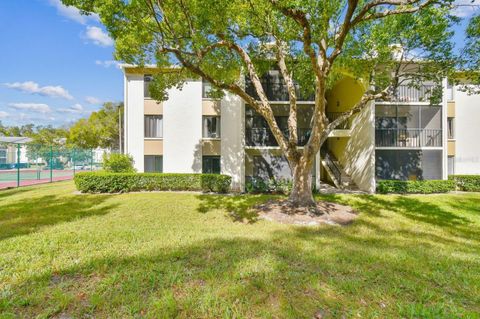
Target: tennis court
[23,163]
[9,178]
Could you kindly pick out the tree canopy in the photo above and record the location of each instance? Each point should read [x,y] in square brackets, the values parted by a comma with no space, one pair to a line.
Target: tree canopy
[382,43]
[101,129]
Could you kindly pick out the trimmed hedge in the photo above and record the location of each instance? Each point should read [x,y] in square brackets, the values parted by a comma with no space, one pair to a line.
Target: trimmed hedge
[415,187]
[466,183]
[104,182]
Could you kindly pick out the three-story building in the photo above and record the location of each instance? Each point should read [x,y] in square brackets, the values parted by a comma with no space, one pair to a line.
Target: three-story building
[405,138]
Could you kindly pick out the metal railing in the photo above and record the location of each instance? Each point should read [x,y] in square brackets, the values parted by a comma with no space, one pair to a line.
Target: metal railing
[332,164]
[263,136]
[277,91]
[408,138]
[332,116]
[405,93]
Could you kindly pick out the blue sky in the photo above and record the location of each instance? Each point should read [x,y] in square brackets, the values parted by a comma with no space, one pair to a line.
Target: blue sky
[57,66]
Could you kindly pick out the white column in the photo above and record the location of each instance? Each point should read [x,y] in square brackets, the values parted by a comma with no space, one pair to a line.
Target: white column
[134,131]
[317,169]
[444,131]
[233,140]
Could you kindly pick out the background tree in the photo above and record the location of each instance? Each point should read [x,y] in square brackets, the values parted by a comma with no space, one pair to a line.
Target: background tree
[26,130]
[101,129]
[469,63]
[311,42]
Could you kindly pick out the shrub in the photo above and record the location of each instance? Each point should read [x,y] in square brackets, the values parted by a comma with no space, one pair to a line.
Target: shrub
[466,183]
[415,187]
[118,163]
[258,185]
[105,182]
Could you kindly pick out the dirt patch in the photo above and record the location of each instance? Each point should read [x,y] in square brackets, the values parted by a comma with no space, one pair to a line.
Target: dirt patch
[325,213]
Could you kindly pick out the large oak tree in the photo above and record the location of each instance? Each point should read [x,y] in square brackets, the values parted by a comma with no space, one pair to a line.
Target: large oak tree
[311,42]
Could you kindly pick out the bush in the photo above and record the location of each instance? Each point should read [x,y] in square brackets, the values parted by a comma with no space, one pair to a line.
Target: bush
[118,163]
[258,185]
[466,183]
[415,187]
[104,182]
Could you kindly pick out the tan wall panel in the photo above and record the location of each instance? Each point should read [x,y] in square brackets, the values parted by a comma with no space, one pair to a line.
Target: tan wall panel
[151,107]
[211,147]
[451,109]
[153,147]
[210,107]
[451,148]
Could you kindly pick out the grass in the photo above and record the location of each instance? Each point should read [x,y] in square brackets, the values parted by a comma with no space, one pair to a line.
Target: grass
[164,255]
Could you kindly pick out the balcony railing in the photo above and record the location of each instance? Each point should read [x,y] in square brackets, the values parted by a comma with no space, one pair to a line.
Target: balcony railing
[405,93]
[264,137]
[408,138]
[277,91]
[332,116]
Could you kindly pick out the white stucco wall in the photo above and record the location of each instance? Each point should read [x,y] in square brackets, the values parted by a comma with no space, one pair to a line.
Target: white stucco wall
[467,133]
[360,150]
[232,146]
[182,129]
[134,122]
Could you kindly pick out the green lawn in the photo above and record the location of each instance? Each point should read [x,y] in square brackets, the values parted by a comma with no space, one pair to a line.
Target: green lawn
[164,255]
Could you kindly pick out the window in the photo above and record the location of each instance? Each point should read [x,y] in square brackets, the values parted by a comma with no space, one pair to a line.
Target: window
[154,126]
[147,78]
[211,164]
[153,164]
[206,88]
[211,126]
[451,128]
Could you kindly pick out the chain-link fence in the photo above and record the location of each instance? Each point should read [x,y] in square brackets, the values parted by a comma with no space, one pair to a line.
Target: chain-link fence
[29,164]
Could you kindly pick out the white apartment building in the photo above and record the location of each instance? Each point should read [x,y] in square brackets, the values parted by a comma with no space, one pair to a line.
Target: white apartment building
[406,139]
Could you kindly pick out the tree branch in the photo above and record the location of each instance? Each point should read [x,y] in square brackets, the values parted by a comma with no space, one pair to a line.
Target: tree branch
[301,18]
[364,16]
[267,111]
[344,29]
[292,117]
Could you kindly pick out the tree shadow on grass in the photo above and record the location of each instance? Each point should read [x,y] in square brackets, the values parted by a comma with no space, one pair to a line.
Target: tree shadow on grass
[283,276]
[13,191]
[238,207]
[419,210]
[28,215]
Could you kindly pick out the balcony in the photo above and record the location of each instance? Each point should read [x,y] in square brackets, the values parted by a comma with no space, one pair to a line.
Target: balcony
[413,138]
[408,94]
[276,91]
[263,136]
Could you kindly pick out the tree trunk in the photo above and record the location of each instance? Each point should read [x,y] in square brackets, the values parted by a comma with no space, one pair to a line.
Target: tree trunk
[301,194]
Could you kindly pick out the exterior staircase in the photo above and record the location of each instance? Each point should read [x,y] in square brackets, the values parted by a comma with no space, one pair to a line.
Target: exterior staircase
[336,172]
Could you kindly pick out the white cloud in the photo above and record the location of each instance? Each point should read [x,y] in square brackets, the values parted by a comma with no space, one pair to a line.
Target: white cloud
[34,107]
[466,8]
[108,63]
[92,100]
[98,36]
[76,108]
[3,114]
[72,13]
[35,88]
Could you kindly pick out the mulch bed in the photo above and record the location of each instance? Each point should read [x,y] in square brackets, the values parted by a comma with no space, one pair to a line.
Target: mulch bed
[283,212]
